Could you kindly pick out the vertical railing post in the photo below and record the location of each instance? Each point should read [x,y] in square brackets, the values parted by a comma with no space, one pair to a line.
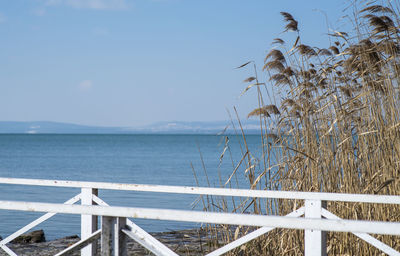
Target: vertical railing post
[107,224]
[88,222]
[314,240]
[120,238]
[113,241]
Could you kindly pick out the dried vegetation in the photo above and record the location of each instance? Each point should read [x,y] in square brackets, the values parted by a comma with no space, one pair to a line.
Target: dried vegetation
[336,128]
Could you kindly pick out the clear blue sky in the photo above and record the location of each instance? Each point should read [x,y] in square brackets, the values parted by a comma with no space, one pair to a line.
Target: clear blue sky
[135,62]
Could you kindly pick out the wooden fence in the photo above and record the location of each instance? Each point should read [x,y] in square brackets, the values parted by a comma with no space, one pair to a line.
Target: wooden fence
[116,228]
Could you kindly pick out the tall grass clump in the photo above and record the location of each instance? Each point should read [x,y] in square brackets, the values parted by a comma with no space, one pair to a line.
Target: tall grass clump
[329,120]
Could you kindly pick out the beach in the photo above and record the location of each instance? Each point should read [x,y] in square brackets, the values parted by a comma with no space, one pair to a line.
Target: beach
[183,242]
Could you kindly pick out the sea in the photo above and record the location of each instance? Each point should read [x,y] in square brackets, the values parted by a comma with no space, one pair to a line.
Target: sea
[183,160]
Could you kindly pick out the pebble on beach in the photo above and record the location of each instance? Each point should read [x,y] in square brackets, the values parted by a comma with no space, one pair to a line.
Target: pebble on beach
[183,242]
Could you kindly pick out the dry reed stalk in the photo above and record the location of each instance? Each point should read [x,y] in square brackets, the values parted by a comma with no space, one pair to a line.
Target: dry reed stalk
[337,130]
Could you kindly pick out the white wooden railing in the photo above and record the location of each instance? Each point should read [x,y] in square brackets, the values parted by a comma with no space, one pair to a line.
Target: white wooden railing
[116,228]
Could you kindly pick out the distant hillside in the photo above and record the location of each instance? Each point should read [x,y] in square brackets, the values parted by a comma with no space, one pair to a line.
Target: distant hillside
[217,127]
[52,127]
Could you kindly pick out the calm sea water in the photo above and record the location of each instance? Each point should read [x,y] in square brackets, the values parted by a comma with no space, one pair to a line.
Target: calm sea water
[144,159]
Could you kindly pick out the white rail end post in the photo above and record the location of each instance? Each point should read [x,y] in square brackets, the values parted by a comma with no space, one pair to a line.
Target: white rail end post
[314,240]
[120,238]
[88,222]
[113,240]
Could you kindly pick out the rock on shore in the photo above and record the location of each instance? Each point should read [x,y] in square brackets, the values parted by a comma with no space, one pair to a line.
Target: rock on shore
[183,242]
[36,236]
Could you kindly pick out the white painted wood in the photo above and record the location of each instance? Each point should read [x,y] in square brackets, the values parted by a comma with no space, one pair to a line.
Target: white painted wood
[144,238]
[8,250]
[113,240]
[314,240]
[88,222]
[148,245]
[36,222]
[147,240]
[375,227]
[312,223]
[246,238]
[120,240]
[99,201]
[80,244]
[367,238]
[361,198]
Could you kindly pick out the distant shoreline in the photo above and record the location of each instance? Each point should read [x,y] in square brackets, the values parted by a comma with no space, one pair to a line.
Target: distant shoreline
[140,134]
[168,128]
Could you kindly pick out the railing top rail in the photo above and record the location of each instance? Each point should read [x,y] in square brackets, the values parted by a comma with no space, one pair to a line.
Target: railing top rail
[374,227]
[361,198]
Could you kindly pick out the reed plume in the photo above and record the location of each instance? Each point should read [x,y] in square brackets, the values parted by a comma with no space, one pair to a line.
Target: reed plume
[337,129]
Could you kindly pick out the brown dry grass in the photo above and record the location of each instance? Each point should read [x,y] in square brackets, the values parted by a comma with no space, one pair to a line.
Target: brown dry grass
[337,129]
